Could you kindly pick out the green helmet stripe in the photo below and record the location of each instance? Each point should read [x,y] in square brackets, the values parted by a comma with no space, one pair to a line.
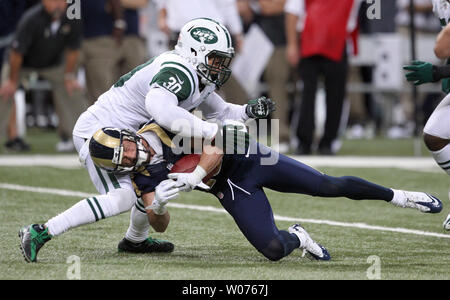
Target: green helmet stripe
[227,34]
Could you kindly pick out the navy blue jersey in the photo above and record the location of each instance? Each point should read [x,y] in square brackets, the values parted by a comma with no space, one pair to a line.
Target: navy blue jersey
[239,184]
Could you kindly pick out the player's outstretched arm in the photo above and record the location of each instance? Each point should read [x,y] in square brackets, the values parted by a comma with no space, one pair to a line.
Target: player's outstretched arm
[216,108]
[155,204]
[163,107]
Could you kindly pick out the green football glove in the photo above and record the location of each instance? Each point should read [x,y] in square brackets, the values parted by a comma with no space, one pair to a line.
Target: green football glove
[232,139]
[446,85]
[422,72]
[260,108]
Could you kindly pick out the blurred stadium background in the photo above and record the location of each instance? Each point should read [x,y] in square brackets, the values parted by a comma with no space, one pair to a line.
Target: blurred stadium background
[379,111]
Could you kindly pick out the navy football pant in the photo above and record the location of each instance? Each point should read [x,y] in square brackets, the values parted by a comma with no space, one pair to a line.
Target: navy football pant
[244,198]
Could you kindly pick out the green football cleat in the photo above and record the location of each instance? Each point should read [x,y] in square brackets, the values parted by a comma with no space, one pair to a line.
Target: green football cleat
[32,238]
[148,246]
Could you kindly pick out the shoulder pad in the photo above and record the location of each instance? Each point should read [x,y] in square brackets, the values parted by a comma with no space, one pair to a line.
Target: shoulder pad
[177,79]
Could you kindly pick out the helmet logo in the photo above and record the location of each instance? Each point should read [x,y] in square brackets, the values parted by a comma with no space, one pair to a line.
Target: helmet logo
[204,35]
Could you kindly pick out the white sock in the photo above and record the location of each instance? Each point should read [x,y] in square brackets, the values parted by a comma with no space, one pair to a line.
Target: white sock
[442,157]
[399,198]
[139,227]
[86,211]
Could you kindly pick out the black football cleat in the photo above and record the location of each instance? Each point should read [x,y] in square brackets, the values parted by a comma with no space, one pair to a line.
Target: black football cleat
[32,238]
[150,245]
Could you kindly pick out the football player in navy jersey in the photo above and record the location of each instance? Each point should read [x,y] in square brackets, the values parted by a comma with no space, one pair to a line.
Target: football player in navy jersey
[237,180]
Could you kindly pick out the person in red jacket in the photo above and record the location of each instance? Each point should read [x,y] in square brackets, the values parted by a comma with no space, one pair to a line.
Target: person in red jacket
[321,50]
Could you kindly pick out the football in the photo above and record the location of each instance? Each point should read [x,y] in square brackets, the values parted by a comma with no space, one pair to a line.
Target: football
[188,164]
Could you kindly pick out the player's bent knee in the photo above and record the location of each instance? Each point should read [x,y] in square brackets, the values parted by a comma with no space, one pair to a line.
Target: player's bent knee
[275,251]
[123,198]
[434,143]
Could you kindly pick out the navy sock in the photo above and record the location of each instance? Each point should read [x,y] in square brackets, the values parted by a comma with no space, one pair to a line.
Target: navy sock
[291,242]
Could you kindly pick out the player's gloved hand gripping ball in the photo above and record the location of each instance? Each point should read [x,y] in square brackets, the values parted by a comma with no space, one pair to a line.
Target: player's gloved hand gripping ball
[260,108]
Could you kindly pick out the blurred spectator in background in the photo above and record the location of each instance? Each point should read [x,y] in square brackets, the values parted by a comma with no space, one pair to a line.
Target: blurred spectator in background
[112,45]
[269,16]
[321,50]
[173,14]
[10,13]
[44,37]
[134,49]
[425,21]
[427,27]
[366,115]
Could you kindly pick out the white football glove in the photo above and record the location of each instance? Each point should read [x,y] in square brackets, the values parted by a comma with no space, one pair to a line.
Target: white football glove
[165,191]
[188,181]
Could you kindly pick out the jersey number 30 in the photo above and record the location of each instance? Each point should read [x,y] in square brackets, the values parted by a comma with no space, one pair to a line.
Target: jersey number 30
[172,85]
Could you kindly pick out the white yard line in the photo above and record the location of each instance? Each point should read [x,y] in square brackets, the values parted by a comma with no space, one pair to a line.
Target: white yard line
[364,226]
[423,164]
[69,161]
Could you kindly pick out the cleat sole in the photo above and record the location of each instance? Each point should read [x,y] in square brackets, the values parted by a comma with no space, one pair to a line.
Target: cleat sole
[26,258]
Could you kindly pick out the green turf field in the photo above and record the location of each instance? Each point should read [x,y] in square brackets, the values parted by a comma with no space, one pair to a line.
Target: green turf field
[208,245]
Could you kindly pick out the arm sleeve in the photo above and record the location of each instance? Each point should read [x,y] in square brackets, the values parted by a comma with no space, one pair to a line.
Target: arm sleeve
[214,107]
[162,105]
[440,72]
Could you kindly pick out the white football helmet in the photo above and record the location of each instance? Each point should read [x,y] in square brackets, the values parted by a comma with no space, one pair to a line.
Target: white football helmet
[207,45]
